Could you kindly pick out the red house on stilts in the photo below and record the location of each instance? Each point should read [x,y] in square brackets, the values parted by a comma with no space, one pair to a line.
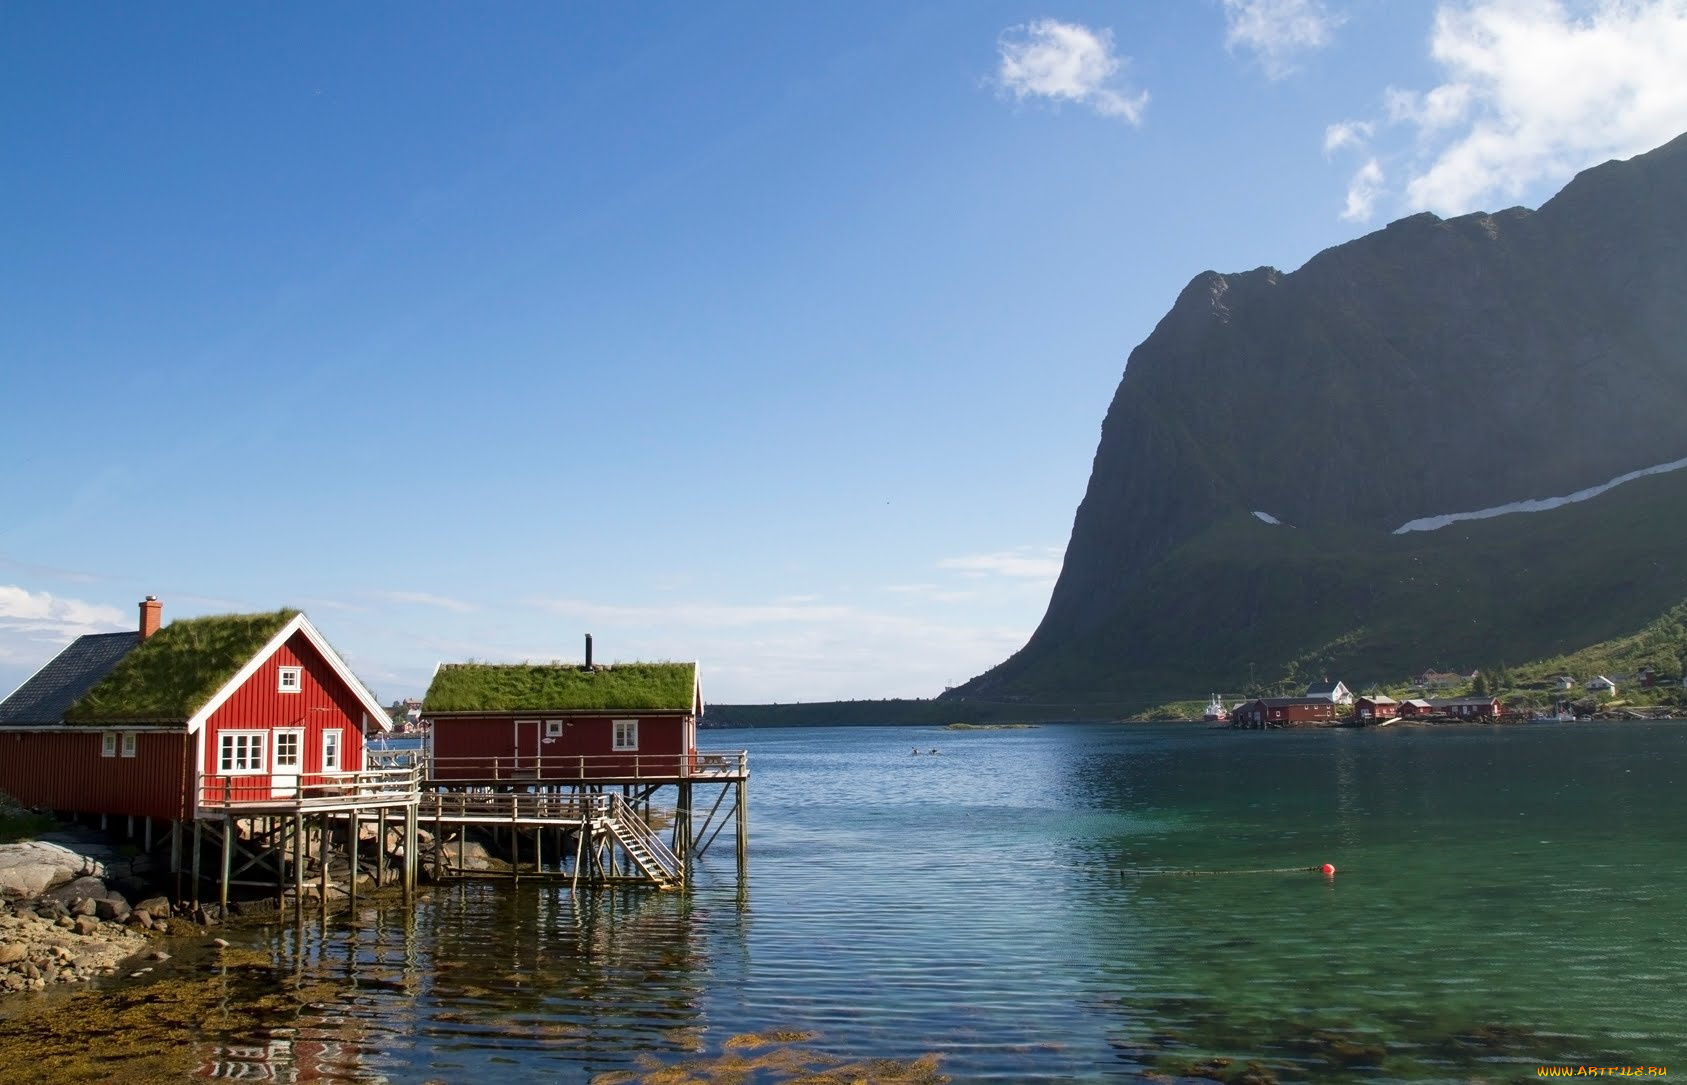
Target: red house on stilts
[564,721]
[160,722]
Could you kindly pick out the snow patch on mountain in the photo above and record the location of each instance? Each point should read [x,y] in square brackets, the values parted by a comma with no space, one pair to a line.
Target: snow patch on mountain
[1542,504]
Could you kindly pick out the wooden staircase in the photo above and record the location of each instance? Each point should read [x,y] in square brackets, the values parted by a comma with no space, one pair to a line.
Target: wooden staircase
[654,858]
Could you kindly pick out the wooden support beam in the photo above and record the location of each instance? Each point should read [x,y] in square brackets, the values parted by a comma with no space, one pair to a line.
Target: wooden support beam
[228,861]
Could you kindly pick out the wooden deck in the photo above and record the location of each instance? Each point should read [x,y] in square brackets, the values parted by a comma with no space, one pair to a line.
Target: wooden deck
[705,766]
[593,803]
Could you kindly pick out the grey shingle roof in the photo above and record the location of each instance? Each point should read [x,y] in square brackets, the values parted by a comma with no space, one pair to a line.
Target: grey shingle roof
[73,672]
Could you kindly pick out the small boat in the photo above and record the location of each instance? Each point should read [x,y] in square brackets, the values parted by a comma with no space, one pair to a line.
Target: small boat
[1560,716]
[1216,712]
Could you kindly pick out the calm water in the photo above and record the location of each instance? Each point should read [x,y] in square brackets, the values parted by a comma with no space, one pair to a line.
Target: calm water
[1505,898]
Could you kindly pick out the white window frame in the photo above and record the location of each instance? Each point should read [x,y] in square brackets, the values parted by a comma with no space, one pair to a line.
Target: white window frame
[282,735]
[554,728]
[242,758]
[108,744]
[282,674]
[626,736]
[333,742]
[128,743]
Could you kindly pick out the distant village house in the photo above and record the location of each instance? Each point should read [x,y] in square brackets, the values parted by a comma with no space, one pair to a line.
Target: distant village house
[1284,711]
[1376,706]
[1335,692]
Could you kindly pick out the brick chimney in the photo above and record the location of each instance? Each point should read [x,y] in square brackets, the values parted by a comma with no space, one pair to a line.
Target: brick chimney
[151,616]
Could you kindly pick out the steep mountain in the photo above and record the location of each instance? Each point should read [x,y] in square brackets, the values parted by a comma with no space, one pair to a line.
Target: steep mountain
[1432,367]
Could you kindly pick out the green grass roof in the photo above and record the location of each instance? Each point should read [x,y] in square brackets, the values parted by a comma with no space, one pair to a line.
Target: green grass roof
[561,687]
[171,674]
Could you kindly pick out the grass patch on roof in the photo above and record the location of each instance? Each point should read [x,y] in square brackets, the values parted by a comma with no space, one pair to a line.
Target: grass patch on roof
[537,687]
[175,671]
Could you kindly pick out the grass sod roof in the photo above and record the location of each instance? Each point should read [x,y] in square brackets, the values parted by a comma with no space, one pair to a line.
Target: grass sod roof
[561,687]
[175,671]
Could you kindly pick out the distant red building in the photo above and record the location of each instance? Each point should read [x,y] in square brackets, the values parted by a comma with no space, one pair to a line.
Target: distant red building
[1376,707]
[562,721]
[1467,708]
[1284,711]
[150,722]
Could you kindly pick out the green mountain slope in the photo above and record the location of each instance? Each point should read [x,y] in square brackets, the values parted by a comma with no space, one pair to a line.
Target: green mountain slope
[1428,368]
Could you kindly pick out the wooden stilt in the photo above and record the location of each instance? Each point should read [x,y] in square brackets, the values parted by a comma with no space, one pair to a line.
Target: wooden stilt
[300,842]
[278,844]
[228,862]
[354,830]
[322,861]
[743,828]
[198,834]
[439,837]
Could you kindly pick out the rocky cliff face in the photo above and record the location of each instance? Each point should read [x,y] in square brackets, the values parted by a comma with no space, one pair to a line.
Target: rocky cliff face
[1434,366]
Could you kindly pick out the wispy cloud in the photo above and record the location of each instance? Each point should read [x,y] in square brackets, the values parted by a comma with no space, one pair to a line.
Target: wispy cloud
[1067,62]
[1278,32]
[35,625]
[1347,134]
[935,592]
[1363,191]
[424,599]
[1532,91]
[1039,563]
[797,650]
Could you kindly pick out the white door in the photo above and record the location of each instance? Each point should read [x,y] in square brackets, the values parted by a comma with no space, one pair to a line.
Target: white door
[289,756]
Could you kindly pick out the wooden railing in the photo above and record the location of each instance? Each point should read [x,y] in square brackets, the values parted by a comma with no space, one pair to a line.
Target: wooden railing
[637,833]
[638,766]
[315,789]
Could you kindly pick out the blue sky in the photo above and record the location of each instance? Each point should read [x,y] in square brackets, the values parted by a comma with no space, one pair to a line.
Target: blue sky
[776,336]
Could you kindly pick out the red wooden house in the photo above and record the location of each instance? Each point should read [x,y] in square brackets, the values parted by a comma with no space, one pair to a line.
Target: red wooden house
[150,723]
[558,721]
[1377,706]
[1467,708]
[1284,711]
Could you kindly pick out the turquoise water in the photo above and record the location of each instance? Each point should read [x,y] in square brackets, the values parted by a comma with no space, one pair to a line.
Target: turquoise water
[1505,898]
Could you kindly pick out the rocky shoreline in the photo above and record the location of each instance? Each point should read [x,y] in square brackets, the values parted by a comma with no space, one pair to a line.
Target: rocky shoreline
[72,908]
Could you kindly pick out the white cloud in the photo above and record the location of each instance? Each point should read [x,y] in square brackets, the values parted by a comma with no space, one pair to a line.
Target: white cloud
[1278,31]
[784,651]
[1362,192]
[424,599]
[1533,90]
[1347,134]
[34,626]
[1039,563]
[935,592]
[1066,62]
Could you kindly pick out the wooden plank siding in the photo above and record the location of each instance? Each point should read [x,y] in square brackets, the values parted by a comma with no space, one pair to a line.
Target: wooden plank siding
[63,769]
[516,745]
[323,702]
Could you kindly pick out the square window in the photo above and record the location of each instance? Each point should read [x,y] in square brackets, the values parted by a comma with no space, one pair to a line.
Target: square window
[291,679]
[108,744]
[287,748]
[240,752]
[128,743]
[626,734]
[553,728]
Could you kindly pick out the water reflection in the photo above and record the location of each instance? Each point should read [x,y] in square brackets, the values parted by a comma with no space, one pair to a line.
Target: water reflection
[1502,897]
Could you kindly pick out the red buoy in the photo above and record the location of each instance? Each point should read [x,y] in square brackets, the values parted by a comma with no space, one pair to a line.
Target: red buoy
[1329,869]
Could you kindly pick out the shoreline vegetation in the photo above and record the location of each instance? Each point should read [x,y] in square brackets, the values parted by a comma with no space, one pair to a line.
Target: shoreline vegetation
[1660,646]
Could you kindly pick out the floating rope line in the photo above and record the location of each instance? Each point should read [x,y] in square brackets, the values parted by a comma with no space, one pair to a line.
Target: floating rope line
[1159,873]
